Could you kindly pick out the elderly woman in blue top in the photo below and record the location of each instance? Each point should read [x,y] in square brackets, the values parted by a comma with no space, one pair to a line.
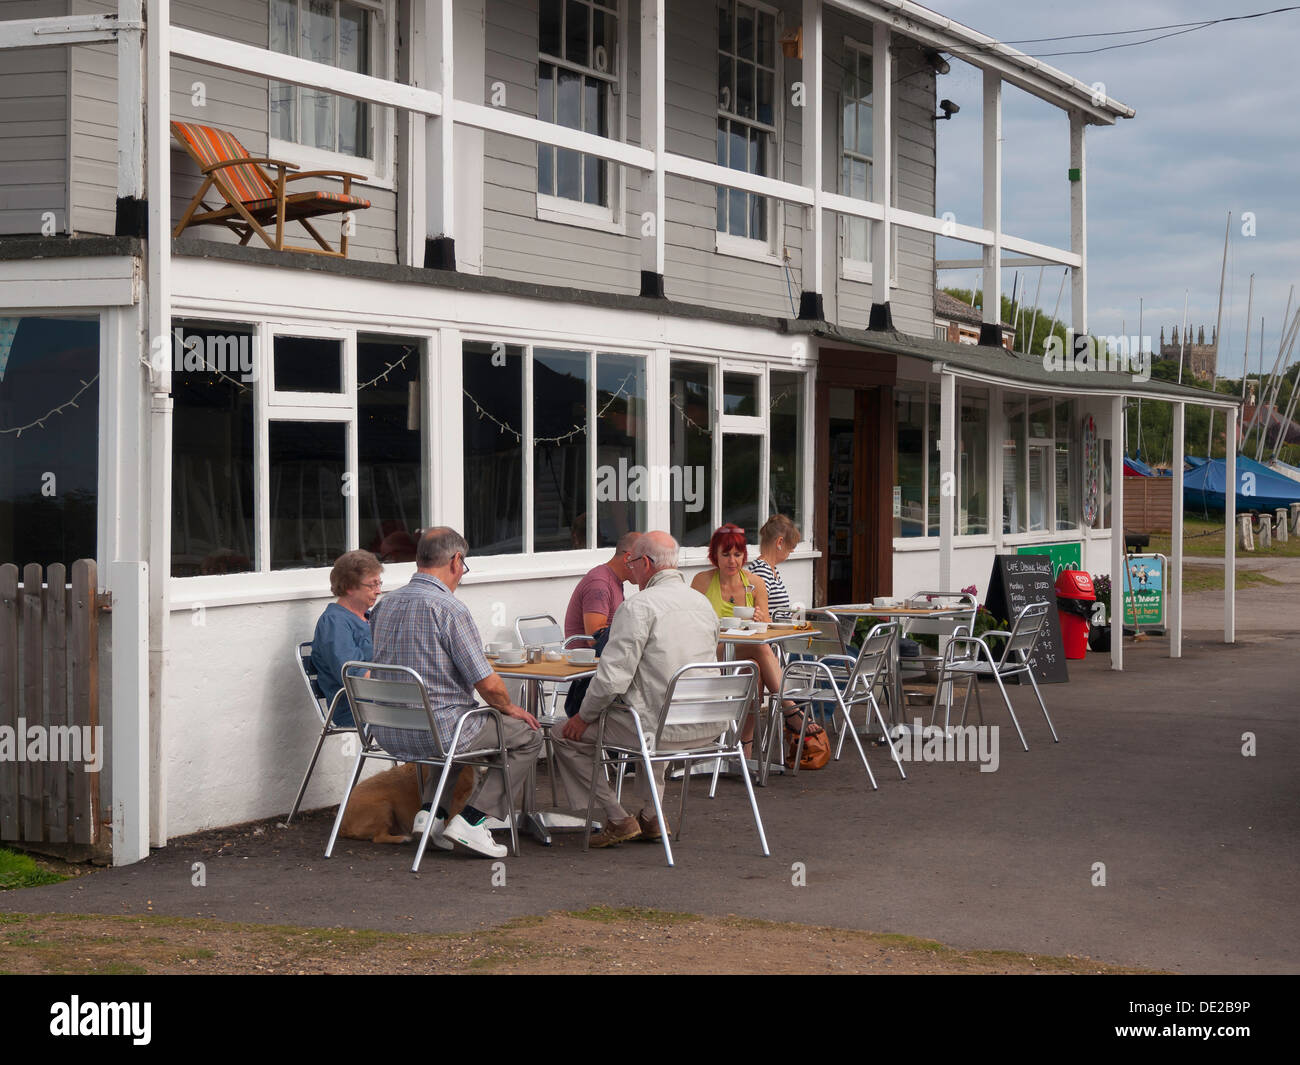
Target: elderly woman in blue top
[343,633]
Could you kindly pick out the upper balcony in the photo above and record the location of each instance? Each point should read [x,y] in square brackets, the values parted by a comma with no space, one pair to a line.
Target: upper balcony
[743,156]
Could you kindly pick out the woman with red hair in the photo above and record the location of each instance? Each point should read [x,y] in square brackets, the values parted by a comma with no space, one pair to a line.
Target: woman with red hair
[728,586]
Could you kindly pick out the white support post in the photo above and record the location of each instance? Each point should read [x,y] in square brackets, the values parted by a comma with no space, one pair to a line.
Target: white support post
[882,170]
[653,125]
[1229,529]
[130,91]
[1078,227]
[157,108]
[1117,561]
[129,757]
[440,170]
[411,147]
[991,330]
[810,300]
[947,474]
[1175,575]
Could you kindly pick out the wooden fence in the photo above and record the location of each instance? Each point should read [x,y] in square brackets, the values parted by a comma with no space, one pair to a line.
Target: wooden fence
[51,746]
[1149,503]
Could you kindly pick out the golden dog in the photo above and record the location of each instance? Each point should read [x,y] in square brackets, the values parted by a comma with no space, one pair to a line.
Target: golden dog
[382,808]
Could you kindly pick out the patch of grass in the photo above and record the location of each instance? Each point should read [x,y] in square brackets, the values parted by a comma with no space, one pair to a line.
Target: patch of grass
[21,870]
[613,914]
[1204,539]
[1210,579]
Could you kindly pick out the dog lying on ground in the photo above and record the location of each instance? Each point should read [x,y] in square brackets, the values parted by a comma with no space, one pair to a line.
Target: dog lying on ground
[382,808]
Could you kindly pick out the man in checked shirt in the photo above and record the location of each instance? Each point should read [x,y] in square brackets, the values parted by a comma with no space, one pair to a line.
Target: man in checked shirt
[424,626]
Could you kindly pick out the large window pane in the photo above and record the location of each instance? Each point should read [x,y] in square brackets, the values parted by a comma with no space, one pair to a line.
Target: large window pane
[741,458]
[909,474]
[49,478]
[691,447]
[620,448]
[493,418]
[560,475]
[306,482]
[785,442]
[1013,465]
[973,472]
[1066,504]
[212,456]
[932,466]
[389,433]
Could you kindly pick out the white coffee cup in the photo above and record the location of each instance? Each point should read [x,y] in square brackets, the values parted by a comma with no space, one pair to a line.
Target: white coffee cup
[512,656]
[583,656]
[745,613]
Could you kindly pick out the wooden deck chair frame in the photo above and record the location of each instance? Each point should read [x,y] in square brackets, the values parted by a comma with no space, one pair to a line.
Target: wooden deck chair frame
[243,221]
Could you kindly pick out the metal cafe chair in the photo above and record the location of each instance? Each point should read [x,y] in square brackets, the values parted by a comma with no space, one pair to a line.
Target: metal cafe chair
[394,697]
[962,657]
[324,711]
[941,627]
[711,695]
[846,683]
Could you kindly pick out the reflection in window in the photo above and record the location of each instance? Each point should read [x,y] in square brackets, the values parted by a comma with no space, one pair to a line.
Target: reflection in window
[620,444]
[909,472]
[746,112]
[690,442]
[560,474]
[1067,506]
[212,456]
[578,45]
[49,473]
[1013,465]
[785,447]
[389,451]
[742,455]
[973,463]
[308,364]
[337,34]
[493,417]
[308,521]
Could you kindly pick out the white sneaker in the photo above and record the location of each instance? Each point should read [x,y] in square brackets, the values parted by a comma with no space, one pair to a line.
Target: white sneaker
[435,834]
[421,819]
[475,837]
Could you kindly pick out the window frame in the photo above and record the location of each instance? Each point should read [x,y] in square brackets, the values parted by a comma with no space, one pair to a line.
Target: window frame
[380,162]
[726,243]
[852,269]
[610,218]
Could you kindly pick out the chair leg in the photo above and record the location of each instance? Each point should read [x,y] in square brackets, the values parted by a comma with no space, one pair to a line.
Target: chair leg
[681,808]
[1007,699]
[338,819]
[880,719]
[758,821]
[428,828]
[311,768]
[654,795]
[513,817]
[1055,737]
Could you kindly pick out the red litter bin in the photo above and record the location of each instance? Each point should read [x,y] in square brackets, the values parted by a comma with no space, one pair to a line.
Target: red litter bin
[1074,599]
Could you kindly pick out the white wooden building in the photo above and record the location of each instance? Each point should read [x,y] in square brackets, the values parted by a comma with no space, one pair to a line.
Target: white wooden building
[606,237]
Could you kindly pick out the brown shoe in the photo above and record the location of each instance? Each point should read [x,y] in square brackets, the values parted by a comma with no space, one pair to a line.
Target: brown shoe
[616,832]
[650,831]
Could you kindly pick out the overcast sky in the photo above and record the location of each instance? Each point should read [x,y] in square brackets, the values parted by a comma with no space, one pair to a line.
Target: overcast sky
[1217,130]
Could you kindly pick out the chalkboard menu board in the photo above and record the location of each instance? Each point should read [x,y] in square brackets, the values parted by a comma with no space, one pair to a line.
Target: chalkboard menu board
[1017,581]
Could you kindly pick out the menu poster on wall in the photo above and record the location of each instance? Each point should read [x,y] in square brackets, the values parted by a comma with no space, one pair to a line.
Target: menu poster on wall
[1017,581]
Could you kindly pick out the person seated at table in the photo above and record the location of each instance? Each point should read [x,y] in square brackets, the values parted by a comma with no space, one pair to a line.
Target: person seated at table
[728,586]
[600,592]
[778,537]
[343,633]
[651,637]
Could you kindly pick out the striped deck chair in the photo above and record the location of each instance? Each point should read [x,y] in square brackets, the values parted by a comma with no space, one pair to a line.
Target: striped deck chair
[253,200]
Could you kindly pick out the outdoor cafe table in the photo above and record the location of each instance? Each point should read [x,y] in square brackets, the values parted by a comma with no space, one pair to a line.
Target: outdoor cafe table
[902,614]
[534,674]
[775,634]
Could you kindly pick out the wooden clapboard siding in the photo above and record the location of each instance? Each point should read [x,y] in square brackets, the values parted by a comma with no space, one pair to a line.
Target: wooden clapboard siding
[49,677]
[231,100]
[33,126]
[1148,504]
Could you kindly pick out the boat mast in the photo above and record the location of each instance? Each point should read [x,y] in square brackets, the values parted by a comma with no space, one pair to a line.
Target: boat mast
[1218,322]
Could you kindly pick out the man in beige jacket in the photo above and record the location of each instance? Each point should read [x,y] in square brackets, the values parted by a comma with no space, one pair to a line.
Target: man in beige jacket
[666,626]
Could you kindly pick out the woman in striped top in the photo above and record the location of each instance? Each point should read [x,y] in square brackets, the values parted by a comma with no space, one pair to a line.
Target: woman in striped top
[776,539]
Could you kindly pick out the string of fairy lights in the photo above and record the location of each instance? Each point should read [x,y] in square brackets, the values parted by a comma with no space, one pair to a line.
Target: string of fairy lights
[577,430]
[39,423]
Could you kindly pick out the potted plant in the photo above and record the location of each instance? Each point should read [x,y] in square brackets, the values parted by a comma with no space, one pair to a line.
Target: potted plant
[1099,634]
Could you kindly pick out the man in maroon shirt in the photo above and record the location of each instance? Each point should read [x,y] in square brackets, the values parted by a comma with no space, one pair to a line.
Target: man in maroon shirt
[600,592]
